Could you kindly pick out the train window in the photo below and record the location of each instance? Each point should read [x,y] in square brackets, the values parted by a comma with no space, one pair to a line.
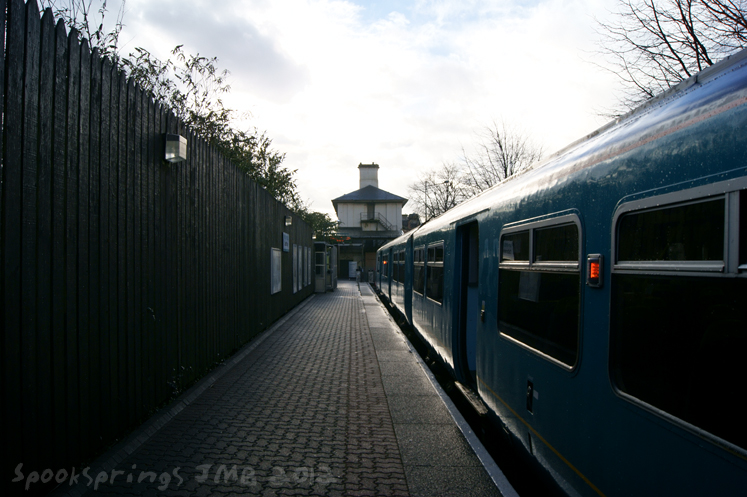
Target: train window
[418,277]
[556,244]
[401,267]
[539,287]
[690,232]
[434,279]
[677,328]
[515,247]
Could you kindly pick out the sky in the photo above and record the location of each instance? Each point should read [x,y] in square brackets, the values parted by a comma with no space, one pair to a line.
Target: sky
[405,84]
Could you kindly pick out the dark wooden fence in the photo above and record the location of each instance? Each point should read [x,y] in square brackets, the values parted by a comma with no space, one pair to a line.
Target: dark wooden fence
[123,278]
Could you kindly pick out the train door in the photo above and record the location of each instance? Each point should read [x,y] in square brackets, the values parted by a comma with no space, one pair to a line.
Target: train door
[377,274]
[468,238]
[384,284]
[389,274]
[407,274]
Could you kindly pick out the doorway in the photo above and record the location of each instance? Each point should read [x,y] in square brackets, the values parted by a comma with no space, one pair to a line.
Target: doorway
[468,237]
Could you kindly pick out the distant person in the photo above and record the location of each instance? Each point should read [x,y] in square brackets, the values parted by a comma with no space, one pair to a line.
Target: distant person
[358,274]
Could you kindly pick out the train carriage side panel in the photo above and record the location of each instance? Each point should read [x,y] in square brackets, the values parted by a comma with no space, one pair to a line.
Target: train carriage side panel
[394,253]
[431,290]
[577,414]
[592,377]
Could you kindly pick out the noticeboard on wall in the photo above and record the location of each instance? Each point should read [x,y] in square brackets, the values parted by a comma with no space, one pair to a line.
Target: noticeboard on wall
[295,268]
[276,271]
[286,242]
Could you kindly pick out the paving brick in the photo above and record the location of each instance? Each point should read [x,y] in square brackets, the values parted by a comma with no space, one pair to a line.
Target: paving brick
[305,412]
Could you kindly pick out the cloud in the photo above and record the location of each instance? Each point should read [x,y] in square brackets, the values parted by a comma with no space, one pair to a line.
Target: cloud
[401,83]
[256,63]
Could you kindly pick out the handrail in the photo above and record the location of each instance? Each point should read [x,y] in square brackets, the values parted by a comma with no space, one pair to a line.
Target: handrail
[365,216]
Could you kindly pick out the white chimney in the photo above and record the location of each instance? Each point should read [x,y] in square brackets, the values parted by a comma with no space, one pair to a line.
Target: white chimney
[369,175]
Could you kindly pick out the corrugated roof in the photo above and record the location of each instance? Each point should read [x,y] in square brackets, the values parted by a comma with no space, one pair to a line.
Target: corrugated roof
[369,194]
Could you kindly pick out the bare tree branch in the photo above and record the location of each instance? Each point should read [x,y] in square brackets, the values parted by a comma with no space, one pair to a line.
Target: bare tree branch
[652,45]
[437,191]
[501,152]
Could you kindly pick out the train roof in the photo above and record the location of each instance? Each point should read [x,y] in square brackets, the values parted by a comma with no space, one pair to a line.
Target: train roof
[730,62]
[663,114]
[399,240]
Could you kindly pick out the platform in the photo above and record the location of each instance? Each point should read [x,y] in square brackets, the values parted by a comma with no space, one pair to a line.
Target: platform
[331,400]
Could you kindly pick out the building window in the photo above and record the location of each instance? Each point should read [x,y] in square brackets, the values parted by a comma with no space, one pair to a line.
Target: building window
[539,288]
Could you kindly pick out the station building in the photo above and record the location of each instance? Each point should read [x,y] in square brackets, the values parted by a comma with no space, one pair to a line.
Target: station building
[369,218]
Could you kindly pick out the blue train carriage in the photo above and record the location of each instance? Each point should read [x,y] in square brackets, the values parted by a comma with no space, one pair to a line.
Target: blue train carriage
[382,271]
[597,301]
[396,256]
[445,298]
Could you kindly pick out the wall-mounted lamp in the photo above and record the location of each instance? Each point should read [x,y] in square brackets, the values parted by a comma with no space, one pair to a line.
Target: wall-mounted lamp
[176,148]
[288,220]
